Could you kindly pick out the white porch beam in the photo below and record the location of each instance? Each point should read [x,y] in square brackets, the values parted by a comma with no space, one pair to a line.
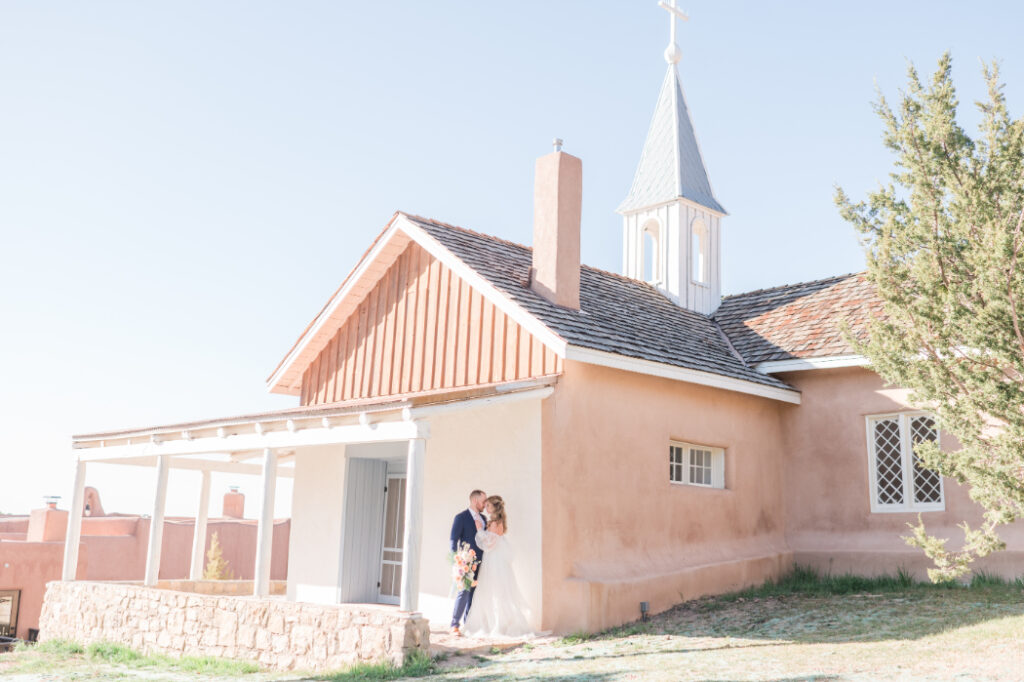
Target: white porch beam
[349,434]
[413,538]
[265,531]
[156,524]
[199,534]
[461,405]
[182,462]
[246,456]
[74,532]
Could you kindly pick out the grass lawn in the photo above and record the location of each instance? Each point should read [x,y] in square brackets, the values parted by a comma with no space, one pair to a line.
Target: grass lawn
[804,628]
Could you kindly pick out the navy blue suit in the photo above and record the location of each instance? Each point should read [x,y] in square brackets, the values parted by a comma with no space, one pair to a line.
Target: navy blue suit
[464,531]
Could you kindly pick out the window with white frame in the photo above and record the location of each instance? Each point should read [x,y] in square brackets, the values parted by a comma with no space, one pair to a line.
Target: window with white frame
[898,481]
[651,251]
[699,252]
[699,465]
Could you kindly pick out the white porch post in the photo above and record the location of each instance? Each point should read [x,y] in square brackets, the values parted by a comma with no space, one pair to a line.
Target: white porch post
[74,532]
[199,534]
[412,541]
[156,523]
[265,531]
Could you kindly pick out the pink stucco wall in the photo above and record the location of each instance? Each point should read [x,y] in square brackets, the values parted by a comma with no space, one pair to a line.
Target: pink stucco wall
[829,522]
[28,566]
[617,531]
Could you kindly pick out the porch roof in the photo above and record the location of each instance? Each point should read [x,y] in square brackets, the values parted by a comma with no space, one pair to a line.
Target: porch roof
[227,442]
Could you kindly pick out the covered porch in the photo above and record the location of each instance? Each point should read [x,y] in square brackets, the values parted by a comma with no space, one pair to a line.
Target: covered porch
[375,483]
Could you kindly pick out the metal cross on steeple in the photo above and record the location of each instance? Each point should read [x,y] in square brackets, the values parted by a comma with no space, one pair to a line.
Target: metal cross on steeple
[672,52]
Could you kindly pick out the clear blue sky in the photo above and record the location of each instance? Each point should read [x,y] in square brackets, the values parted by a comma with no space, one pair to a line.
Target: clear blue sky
[183,184]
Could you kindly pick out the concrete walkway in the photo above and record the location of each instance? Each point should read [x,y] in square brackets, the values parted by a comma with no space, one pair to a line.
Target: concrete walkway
[442,641]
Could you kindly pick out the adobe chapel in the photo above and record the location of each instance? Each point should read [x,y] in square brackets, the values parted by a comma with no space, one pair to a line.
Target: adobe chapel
[654,440]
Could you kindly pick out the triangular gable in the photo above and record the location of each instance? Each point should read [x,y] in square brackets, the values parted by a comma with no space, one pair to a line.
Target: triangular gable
[412,317]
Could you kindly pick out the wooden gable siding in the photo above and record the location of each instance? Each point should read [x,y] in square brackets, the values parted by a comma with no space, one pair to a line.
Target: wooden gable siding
[422,328]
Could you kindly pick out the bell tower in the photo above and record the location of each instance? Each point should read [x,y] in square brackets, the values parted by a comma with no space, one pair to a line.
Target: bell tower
[671,218]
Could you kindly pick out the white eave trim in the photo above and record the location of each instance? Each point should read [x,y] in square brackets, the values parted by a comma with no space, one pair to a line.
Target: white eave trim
[669,202]
[801,364]
[275,381]
[691,376]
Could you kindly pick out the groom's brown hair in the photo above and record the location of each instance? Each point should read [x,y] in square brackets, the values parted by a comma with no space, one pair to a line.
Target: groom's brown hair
[476,493]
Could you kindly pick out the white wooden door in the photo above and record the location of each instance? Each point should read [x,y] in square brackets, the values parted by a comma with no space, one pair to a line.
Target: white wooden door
[391,547]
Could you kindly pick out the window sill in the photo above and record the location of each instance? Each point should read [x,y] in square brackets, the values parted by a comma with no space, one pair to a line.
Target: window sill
[909,510]
[695,486]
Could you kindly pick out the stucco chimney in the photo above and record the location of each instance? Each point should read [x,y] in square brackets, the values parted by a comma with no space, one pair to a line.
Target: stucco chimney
[234,504]
[557,206]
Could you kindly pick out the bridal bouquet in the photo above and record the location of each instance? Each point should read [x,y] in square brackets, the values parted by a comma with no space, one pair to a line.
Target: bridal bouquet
[464,565]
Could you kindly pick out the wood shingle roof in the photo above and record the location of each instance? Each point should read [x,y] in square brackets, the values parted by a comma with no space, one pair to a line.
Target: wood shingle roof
[799,320]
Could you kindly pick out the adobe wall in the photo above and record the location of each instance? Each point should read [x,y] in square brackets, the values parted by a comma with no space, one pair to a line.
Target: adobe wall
[13,526]
[617,531]
[277,634]
[28,567]
[120,543]
[829,523]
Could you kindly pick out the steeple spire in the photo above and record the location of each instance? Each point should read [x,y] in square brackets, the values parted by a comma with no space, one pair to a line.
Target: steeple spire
[671,165]
[671,218]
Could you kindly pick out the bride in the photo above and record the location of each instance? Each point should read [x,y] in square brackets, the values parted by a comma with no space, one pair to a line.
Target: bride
[499,609]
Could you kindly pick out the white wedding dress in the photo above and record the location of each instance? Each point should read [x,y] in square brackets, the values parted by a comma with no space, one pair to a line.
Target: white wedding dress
[499,609]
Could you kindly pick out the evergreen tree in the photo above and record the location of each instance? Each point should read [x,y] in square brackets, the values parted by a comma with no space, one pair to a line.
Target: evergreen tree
[217,567]
[943,239]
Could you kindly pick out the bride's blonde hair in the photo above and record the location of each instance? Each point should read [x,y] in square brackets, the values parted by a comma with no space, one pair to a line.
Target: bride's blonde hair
[498,515]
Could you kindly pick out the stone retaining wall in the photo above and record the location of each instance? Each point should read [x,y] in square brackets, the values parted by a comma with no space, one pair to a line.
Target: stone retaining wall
[274,633]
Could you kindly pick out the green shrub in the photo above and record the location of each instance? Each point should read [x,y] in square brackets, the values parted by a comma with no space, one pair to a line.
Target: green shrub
[112,653]
[59,647]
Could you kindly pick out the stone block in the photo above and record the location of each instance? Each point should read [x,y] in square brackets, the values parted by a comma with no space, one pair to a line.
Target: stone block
[275,624]
[302,638]
[348,640]
[226,623]
[246,636]
[373,644]
[208,635]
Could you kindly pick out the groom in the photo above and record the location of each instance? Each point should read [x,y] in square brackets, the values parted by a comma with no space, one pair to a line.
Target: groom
[464,529]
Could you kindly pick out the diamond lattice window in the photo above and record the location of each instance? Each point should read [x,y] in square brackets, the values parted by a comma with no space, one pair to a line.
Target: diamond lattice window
[698,465]
[898,481]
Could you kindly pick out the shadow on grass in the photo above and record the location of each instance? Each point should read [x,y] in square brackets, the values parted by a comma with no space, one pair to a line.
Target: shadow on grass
[588,676]
[807,607]
[596,656]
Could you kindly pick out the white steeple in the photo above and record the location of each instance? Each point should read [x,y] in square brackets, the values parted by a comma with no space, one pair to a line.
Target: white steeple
[671,216]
